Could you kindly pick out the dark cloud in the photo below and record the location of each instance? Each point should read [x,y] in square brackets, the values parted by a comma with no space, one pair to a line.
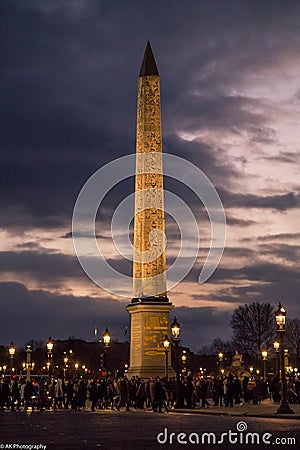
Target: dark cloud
[43,266]
[280,202]
[280,236]
[283,157]
[235,221]
[39,313]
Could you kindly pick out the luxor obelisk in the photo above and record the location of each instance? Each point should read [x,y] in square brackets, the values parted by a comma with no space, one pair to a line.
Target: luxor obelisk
[150,307]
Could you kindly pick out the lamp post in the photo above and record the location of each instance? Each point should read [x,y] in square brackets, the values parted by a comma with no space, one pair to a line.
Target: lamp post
[220,357]
[183,358]
[166,343]
[49,346]
[11,352]
[106,339]
[28,364]
[276,346]
[280,315]
[175,329]
[264,354]
[65,366]
[286,359]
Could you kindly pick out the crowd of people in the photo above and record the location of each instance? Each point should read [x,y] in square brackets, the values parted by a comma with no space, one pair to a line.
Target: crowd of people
[158,394]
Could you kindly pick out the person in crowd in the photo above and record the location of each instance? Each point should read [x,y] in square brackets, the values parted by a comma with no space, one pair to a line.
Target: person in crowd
[203,392]
[5,394]
[255,392]
[188,391]
[29,394]
[124,394]
[75,395]
[275,389]
[141,394]
[111,394]
[159,396]
[93,390]
[82,394]
[69,394]
[102,394]
[228,391]
[58,393]
[251,385]
[15,396]
[245,388]
[237,391]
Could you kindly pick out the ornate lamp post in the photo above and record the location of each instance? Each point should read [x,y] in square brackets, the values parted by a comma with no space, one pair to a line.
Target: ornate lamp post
[276,346]
[220,358]
[28,364]
[11,352]
[264,354]
[280,315]
[183,358]
[286,359]
[66,359]
[49,346]
[175,329]
[106,339]
[166,343]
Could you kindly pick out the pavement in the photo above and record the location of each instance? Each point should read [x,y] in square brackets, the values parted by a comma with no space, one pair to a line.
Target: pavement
[140,430]
[266,408]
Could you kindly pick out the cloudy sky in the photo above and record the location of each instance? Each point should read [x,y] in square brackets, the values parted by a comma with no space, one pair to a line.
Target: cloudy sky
[230,89]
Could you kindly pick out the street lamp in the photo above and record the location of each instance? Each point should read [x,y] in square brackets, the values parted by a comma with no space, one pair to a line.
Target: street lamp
[276,346]
[175,329]
[264,354]
[106,339]
[11,352]
[28,364]
[280,316]
[286,359]
[220,357]
[166,343]
[49,346]
[183,358]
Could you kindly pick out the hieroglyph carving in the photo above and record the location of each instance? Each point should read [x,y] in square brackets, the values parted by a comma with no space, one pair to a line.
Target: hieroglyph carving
[149,268]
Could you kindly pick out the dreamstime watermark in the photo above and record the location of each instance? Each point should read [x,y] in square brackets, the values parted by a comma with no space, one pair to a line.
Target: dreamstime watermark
[89,201]
[238,437]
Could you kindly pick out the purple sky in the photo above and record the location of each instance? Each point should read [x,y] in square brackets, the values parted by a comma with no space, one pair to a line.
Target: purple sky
[230,89]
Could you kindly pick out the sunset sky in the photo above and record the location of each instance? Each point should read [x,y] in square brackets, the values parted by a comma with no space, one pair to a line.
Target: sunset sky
[230,91]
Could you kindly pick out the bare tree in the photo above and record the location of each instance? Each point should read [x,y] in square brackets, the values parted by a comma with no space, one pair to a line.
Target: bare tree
[293,336]
[218,345]
[253,327]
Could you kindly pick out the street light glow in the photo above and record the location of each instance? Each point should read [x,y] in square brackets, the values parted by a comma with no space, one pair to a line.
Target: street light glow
[175,328]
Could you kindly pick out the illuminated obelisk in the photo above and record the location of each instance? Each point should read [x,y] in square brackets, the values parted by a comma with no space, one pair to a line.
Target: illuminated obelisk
[150,307]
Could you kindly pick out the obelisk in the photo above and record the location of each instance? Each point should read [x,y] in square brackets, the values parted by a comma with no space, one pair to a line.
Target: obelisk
[150,307]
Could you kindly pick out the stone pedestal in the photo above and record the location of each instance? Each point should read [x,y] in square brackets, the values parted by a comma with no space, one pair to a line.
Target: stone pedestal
[149,323]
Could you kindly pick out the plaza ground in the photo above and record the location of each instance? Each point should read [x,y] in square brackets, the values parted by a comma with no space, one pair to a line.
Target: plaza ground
[113,430]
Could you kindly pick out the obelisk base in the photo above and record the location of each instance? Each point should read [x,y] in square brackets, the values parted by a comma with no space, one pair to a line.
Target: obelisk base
[149,323]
